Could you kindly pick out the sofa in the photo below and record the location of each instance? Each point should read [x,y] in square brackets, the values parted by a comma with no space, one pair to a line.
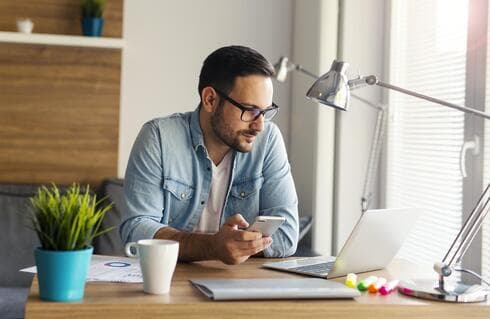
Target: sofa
[19,240]
[17,248]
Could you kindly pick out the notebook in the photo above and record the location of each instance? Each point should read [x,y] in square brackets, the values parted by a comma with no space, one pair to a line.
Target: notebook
[273,288]
[372,244]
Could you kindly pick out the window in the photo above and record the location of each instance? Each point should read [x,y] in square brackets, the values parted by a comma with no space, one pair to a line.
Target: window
[428,55]
[486,170]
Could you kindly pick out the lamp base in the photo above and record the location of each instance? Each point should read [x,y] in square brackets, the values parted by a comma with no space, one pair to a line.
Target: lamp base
[452,292]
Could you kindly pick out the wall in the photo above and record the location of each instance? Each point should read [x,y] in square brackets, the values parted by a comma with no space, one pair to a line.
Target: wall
[362,46]
[312,125]
[167,41]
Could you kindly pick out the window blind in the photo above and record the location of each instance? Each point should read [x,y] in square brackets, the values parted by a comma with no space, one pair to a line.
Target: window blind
[485,254]
[427,54]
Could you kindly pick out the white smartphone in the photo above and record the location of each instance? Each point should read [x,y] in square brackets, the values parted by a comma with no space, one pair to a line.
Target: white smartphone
[267,225]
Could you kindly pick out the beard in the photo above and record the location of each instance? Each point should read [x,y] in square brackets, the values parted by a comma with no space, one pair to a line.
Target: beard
[233,139]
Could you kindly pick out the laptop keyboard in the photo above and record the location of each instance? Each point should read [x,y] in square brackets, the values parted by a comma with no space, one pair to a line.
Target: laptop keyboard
[320,268]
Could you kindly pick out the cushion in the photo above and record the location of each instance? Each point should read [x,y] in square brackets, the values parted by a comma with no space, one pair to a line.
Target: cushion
[110,243]
[20,240]
[12,301]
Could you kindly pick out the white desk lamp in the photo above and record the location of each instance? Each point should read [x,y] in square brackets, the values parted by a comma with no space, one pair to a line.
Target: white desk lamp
[284,66]
[333,89]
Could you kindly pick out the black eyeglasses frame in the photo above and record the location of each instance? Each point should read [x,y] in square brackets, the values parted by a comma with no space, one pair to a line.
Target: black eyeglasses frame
[273,109]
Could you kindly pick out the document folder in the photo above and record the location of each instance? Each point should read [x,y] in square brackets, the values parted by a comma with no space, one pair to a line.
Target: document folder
[273,288]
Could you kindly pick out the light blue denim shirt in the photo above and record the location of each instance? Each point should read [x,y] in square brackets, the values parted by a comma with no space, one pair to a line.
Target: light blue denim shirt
[168,179]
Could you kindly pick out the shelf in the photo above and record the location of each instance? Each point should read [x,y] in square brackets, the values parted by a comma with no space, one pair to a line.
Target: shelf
[65,40]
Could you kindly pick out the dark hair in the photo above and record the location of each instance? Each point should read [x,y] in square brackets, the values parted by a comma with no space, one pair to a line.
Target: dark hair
[223,66]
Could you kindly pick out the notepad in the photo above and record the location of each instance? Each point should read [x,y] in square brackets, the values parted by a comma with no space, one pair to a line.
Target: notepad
[273,288]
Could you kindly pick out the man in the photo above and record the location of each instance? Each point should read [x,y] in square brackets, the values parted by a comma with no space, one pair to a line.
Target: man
[201,177]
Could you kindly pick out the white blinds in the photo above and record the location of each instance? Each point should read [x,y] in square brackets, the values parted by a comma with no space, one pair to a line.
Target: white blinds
[486,166]
[485,254]
[428,55]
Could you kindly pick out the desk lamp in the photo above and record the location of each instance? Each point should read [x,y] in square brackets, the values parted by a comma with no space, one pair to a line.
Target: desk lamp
[333,89]
[284,66]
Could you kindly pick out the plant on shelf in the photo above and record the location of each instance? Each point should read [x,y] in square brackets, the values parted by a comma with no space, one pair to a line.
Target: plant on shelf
[66,223]
[92,20]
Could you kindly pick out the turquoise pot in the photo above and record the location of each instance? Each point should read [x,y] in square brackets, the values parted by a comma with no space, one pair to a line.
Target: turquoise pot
[62,274]
[92,27]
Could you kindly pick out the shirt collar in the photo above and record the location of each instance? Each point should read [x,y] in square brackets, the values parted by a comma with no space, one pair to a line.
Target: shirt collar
[196,131]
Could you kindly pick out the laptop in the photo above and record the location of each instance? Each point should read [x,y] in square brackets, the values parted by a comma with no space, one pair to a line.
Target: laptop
[372,244]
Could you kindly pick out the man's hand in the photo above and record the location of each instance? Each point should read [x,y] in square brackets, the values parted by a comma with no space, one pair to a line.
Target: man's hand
[233,246]
[230,244]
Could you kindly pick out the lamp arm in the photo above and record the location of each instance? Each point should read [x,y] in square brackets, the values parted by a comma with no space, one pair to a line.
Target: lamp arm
[466,242]
[373,161]
[300,68]
[377,142]
[470,228]
[369,103]
[464,237]
[372,80]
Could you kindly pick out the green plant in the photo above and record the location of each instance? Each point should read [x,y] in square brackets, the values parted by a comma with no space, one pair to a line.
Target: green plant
[93,8]
[68,221]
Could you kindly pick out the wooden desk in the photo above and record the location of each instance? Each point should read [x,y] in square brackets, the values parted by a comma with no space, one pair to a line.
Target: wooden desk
[111,300]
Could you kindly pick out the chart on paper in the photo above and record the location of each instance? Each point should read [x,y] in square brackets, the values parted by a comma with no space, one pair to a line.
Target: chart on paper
[110,269]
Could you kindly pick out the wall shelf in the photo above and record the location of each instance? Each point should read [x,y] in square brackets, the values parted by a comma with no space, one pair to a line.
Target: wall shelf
[65,40]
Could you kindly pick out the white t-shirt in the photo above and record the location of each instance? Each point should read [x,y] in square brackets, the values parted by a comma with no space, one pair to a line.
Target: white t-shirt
[210,218]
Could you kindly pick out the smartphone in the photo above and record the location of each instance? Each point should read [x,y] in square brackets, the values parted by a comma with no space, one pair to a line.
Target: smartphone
[267,225]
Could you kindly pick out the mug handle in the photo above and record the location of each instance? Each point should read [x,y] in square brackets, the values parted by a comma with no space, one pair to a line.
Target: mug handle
[128,251]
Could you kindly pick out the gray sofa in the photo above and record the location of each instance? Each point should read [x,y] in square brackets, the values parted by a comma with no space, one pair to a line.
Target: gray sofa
[19,240]
[17,248]
[110,243]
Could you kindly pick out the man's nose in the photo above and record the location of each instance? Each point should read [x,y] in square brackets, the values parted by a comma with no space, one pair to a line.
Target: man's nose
[258,123]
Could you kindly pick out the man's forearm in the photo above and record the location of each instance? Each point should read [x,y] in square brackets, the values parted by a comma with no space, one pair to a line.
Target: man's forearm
[192,246]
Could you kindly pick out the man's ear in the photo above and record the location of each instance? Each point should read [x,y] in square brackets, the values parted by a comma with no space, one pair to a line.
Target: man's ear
[209,99]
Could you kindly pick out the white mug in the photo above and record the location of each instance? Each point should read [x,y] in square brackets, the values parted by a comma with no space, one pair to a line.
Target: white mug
[25,25]
[158,258]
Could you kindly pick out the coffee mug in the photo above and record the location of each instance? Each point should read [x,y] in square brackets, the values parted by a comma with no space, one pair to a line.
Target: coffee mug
[158,258]
[25,25]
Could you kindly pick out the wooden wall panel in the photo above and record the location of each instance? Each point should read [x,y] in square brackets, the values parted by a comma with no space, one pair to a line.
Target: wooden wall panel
[57,16]
[59,113]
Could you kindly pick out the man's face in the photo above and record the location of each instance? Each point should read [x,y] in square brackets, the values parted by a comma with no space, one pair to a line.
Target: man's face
[254,91]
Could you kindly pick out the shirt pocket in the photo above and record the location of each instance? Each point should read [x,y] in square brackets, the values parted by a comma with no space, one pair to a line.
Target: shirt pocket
[245,197]
[178,200]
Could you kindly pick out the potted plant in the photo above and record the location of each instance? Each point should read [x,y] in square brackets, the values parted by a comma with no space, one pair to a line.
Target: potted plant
[66,223]
[92,21]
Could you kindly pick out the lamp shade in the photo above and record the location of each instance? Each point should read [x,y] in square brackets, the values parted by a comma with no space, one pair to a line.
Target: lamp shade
[332,88]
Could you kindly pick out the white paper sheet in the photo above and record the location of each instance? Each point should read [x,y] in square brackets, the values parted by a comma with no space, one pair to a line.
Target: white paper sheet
[110,269]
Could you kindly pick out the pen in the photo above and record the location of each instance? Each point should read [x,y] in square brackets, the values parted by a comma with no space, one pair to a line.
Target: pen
[374,287]
[389,287]
[351,280]
[364,284]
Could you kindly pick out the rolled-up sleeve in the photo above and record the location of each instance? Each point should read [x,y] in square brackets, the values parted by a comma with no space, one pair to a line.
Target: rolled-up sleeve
[143,192]
[278,197]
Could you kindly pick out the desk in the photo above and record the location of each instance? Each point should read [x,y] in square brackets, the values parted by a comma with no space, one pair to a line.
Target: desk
[114,300]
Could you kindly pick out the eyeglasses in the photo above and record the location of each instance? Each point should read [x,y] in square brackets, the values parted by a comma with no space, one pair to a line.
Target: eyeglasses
[252,113]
